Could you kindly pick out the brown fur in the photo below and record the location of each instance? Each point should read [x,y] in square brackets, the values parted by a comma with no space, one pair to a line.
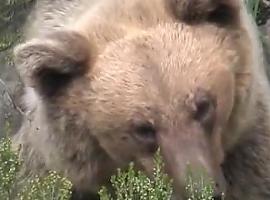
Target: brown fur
[125,77]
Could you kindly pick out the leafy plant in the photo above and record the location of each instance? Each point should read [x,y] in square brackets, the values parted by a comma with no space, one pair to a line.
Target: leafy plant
[134,185]
[127,185]
[9,167]
[199,186]
[51,187]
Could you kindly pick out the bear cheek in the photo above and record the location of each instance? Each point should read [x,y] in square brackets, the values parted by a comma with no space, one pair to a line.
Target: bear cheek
[225,105]
[120,147]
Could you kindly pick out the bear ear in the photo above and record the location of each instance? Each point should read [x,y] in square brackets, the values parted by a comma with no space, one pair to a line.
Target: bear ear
[221,12]
[50,63]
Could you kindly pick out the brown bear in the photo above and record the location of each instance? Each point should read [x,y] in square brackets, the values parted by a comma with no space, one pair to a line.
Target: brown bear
[110,81]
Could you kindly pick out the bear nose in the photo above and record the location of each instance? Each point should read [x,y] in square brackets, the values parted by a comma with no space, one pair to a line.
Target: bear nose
[217,197]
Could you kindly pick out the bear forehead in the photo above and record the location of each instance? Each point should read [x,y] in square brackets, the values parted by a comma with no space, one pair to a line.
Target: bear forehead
[154,72]
[167,56]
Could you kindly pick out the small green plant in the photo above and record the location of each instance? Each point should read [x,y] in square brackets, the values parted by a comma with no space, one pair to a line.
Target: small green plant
[134,185]
[126,185]
[199,186]
[9,167]
[51,187]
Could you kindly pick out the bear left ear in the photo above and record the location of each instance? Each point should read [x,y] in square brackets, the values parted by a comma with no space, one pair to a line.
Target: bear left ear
[221,12]
[50,63]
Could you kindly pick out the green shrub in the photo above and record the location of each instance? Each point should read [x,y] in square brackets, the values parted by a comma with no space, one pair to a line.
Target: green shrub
[51,187]
[127,185]
[199,186]
[135,185]
[9,167]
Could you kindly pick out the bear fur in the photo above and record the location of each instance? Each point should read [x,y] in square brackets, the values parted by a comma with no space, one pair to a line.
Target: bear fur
[110,81]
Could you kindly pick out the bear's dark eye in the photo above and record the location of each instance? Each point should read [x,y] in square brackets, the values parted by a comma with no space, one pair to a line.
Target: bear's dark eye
[145,132]
[204,110]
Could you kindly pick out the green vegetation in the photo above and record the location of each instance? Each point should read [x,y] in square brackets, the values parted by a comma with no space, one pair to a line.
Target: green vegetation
[199,186]
[12,15]
[135,185]
[15,187]
[51,187]
[127,185]
[9,166]
[254,7]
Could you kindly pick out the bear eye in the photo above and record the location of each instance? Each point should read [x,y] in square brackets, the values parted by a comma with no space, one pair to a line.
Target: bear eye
[202,109]
[145,132]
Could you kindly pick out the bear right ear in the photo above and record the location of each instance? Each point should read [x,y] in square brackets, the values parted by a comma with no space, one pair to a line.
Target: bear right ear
[221,12]
[50,63]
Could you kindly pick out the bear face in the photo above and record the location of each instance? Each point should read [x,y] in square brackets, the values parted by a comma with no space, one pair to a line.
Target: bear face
[142,93]
[167,99]
[174,85]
